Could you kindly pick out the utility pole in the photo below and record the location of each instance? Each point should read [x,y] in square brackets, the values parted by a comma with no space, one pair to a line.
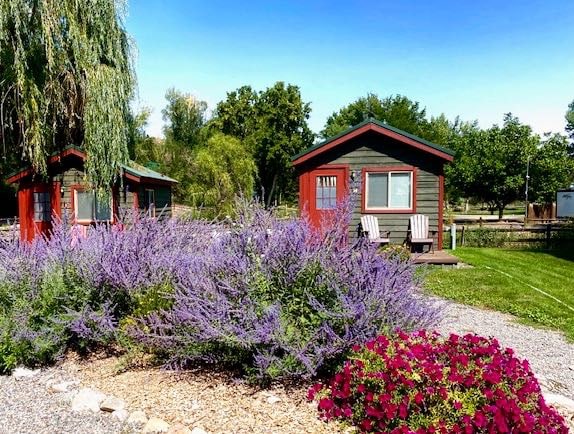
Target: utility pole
[526,191]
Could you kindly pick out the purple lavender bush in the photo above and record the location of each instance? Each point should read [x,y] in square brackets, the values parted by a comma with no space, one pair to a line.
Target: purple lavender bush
[282,299]
[72,289]
[273,296]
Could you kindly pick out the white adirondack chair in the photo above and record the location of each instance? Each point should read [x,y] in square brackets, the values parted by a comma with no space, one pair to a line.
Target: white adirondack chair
[370,229]
[418,233]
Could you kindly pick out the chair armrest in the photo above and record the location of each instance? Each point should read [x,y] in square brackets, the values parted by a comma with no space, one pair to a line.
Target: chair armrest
[388,233]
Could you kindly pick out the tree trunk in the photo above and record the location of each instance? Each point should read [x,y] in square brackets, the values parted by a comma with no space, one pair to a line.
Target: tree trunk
[272,191]
[500,211]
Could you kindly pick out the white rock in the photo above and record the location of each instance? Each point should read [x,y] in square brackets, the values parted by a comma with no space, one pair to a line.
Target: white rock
[111,403]
[559,400]
[137,417]
[24,372]
[63,386]
[155,425]
[273,399]
[198,430]
[121,414]
[87,399]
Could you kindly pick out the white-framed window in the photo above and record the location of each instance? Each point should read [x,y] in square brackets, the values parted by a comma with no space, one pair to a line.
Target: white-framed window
[90,206]
[326,192]
[150,202]
[388,190]
[42,206]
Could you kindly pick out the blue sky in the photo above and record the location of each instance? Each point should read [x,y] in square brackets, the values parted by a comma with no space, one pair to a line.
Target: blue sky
[476,59]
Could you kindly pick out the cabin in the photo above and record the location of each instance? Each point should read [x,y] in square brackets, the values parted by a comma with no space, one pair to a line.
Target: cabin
[394,174]
[64,193]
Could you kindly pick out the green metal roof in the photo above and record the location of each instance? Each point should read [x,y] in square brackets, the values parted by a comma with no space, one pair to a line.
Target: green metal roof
[382,125]
[145,172]
[132,167]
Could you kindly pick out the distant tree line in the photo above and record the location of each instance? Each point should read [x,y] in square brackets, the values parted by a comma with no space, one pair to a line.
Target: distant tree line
[66,78]
[490,164]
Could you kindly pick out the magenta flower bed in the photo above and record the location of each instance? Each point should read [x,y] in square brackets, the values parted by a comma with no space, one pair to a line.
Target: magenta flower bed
[423,383]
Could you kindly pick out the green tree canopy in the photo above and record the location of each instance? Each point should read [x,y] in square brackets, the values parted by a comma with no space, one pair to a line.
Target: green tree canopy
[185,117]
[184,133]
[221,170]
[396,110]
[66,77]
[490,165]
[551,169]
[237,115]
[273,126]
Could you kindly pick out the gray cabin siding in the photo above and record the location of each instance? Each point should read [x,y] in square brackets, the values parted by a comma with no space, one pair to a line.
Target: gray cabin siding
[374,150]
[124,195]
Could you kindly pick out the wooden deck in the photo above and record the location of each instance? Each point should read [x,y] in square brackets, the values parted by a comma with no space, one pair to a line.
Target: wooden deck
[439,257]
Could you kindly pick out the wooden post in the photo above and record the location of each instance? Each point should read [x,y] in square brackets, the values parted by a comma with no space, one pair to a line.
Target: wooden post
[548,233]
[462,237]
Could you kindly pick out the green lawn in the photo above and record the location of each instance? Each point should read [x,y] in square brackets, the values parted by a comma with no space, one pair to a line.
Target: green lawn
[499,280]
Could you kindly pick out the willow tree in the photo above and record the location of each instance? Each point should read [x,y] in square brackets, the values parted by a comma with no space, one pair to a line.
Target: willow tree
[66,78]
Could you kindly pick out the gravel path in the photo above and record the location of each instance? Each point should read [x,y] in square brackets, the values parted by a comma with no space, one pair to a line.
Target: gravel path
[29,406]
[551,357]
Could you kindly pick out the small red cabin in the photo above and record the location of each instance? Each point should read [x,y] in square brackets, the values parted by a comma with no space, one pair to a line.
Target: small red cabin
[64,193]
[395,173]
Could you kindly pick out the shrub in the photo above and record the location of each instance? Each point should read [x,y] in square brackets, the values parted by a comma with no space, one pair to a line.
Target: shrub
[423,383]
[396,252]
[280,299]
[488,237]
[272,296]
[71,291]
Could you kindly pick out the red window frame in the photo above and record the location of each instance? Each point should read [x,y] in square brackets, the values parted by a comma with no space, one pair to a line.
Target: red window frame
[386,169]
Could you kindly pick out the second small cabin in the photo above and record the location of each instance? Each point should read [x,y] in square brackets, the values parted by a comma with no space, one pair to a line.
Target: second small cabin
[63,192]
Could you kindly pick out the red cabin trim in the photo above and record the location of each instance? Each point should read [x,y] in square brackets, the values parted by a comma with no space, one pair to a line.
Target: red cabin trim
[53,159]
[29,227]
[440,209]
[378,129]
[386,169]
[307,193]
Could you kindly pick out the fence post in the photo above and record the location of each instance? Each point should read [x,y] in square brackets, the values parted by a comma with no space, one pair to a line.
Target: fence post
[548,233]
[462,236]
[453,236]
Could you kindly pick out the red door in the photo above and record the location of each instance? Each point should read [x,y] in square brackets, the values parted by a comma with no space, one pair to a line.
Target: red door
[326,186]
[37,205]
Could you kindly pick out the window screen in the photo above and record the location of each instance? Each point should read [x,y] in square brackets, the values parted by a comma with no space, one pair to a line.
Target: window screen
[401,190]
[42,207]
[103,208]
[92,207]
[326,192]
[377,190]
[389,190]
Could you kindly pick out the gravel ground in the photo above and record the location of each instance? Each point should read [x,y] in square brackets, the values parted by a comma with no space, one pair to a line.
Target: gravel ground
[551,357]
[28,407]
[220,404]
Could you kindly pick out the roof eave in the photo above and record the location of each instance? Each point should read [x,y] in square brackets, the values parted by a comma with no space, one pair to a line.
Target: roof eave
[53,159]
[372,125]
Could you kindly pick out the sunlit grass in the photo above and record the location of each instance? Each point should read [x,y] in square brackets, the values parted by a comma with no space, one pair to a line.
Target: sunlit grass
[499,279]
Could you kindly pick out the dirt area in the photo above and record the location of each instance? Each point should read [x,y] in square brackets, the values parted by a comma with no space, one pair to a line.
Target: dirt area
[216,402]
